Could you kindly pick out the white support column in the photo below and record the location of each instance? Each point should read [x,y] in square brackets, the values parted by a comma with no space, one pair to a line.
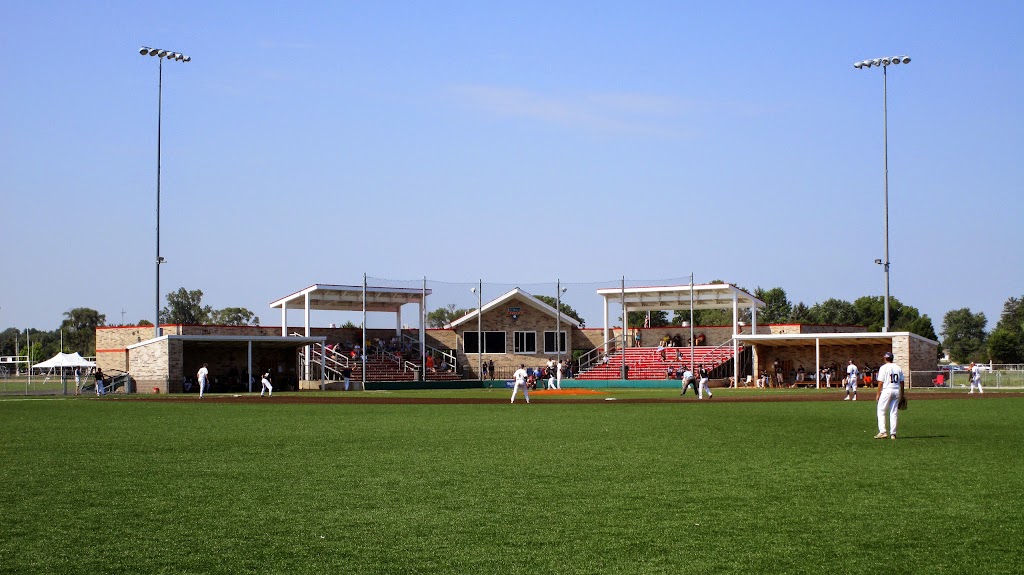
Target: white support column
[735,343]
[605,335]
[817,363]
[423,331]
[306,350]
[753,318]
[398,322]
[284,319]
[249,368]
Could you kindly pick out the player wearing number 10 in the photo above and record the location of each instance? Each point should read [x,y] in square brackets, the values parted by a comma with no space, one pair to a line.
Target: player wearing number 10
[890,390]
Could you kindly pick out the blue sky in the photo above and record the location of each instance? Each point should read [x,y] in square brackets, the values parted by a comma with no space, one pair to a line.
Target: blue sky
[518,142]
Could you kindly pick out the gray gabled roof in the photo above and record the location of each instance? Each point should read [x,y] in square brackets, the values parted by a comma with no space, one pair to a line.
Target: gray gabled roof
[509,296]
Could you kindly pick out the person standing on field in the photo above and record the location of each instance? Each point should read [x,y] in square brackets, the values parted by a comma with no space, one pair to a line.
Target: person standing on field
[266,385]
[702,375]
[851,381]
[975,372]
[688,380]
[890,390]
[551,373]
[78,382]
[203,376]
[520,377]
[99,382]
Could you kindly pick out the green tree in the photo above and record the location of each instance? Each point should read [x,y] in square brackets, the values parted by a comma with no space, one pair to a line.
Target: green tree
[185,307]
[800,314]
[10,339]
[834,312]
[234,316]
[777,308]
[144,322]
[79,327]
[349,325]
[565,308]
[443,316]
[659,318]
[964,335]
[1004,346]
[1006,342]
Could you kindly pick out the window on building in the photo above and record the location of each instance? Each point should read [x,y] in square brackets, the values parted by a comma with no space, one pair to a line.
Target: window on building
[525,342]
[494,342]
[549,342]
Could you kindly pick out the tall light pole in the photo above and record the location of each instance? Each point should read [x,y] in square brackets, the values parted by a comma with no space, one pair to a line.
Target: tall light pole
[160,54]
[479,291]
[884,63]
[559,290]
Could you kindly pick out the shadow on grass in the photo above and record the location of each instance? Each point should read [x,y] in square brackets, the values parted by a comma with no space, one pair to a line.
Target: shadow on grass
[905,437]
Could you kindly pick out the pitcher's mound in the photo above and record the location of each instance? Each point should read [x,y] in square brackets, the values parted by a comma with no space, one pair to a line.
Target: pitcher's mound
[566,392]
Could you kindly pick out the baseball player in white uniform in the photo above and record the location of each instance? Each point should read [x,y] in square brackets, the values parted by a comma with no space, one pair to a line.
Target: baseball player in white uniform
[976,378]
[267,387]
[520,377]
[890,389]
[551,373]
[203,376]
[852,373]
[702,383]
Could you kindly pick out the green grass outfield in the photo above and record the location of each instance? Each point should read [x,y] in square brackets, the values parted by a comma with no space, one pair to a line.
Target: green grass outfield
[120,485]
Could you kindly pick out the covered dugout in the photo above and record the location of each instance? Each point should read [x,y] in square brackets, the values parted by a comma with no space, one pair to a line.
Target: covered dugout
[813,351]
[168,363]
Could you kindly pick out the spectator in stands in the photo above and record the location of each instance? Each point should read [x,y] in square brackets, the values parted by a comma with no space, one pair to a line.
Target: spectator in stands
[346,374]
[490,368]
[677,341]
[636,337]
[661,350]
[763,380]
[604,359]
[568,369]
[430,364]
[483,372]
[670,372]
[801,373]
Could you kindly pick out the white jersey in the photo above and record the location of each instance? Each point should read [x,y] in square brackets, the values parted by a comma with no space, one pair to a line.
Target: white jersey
[851,371]
[520,376]
[976,374]
[203,374]
[890,376]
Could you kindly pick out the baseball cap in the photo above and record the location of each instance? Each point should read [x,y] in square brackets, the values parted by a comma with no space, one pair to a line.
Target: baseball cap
[888,355]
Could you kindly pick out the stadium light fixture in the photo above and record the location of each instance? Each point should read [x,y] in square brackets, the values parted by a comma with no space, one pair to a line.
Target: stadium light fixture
[479,291]
[884,63]
[162,54]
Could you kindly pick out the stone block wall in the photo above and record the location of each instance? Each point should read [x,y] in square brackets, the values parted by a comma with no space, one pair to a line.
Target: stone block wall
[148,366]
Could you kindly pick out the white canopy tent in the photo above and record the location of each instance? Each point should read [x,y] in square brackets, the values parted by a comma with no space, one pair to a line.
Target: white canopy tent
[65,360]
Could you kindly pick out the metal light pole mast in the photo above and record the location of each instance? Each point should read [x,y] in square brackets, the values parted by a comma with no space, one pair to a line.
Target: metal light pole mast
[884,63]
[161,54]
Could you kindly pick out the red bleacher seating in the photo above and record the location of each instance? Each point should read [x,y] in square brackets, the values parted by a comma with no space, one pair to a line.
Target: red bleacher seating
[646,363]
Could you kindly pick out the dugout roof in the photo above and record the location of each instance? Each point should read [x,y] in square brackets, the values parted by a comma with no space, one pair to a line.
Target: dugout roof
[705,296]
[350,298]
